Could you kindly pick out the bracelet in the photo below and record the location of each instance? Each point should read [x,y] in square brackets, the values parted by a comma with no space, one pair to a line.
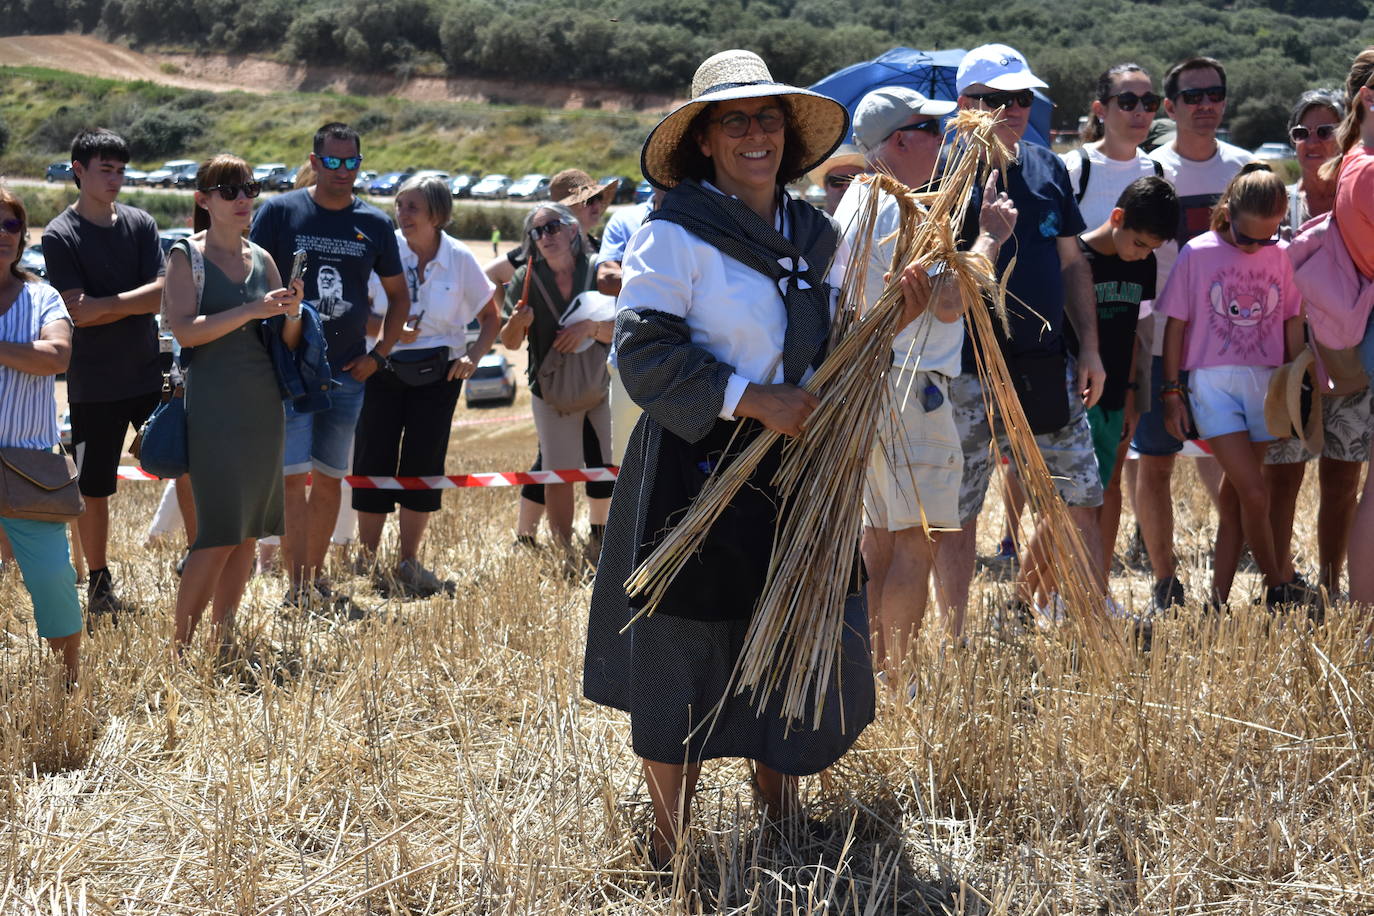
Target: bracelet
[1176,392]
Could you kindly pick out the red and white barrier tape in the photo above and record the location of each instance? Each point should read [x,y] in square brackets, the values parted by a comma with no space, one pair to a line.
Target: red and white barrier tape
[456,481]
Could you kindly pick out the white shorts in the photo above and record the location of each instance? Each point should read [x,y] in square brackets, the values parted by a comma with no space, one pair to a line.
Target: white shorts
[914,472]
[1230,399]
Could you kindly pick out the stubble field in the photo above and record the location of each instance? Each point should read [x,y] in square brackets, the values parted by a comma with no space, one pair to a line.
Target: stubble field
[437,757]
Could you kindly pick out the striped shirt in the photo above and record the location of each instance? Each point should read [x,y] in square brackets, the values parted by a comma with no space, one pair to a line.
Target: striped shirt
[28,403]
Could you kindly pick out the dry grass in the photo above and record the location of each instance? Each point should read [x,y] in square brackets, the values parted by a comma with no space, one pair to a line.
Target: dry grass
[437,758]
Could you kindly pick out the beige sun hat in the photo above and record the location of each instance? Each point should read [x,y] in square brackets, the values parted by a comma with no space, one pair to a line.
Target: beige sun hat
[844,154]
[571,187]
[820,121]
[1284,415]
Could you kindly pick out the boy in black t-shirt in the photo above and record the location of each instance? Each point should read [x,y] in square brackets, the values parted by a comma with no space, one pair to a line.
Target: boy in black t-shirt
[1120,253]
[106,261]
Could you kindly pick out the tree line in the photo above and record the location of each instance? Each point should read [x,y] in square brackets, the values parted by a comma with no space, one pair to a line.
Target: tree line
[1273,49]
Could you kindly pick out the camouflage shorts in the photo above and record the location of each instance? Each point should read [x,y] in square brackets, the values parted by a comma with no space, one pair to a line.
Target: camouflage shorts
[1346,427]
[1068,451]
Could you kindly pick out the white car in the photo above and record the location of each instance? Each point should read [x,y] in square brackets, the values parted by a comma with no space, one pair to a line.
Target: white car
[530,187]
[1273,151]
[491,187]
[493,380]
[266,171]
[167,175]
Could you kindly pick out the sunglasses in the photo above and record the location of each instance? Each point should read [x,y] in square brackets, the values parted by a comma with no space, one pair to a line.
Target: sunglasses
[1127,101]
[11,226]
[1242,239]
[1300,133]
[736,123]
[548,229]
[231,191]
[929,126]
[334,163]
[1194,96]
[1005,98]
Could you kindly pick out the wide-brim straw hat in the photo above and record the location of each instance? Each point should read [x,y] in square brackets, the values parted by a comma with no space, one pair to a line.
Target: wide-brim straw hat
[845,154]
[571,187]
[1293,403]
[821,122]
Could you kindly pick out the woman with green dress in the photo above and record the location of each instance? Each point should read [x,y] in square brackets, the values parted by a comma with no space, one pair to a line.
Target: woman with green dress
[217,296]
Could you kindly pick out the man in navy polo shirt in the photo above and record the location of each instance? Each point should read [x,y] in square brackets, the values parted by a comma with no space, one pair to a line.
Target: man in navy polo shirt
[1051,281]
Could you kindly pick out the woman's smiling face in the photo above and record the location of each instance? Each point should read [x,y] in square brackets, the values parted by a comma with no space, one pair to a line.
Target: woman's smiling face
[751,160]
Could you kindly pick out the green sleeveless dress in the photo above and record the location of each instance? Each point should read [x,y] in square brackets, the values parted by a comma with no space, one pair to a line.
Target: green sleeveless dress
[234,420]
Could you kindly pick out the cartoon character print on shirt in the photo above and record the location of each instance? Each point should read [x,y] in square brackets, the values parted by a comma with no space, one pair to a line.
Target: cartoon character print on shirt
[1243,306]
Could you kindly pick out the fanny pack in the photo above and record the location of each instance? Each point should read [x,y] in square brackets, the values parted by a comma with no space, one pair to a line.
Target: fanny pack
[1040,386]
[420,367]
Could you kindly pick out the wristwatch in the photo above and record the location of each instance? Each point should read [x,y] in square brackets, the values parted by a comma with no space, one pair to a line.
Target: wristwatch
[381,361]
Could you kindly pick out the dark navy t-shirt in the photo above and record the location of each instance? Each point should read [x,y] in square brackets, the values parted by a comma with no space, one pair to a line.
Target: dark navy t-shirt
[343,249]
[1039,186]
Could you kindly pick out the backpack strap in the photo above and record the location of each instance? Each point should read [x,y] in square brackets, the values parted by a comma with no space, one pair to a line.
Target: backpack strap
[1086,169]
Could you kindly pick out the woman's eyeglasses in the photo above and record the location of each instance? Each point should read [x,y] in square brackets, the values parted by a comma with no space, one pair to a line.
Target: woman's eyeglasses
[1324,132]
[334,163]
[735,124]
[1005,98]
[231,191]
[1127,101]
[547,230]
[11,226]
[1215,95]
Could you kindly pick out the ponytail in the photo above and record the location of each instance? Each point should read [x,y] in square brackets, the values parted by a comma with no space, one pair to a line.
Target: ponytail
[1361,75]
[1255,191]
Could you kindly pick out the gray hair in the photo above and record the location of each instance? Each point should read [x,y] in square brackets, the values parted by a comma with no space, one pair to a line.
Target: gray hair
[434,191]
[565,216]
[1312,98]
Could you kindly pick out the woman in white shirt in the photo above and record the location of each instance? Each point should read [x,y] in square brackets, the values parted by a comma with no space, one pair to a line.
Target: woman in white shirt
[404,427]
[1111,158]
[35,345]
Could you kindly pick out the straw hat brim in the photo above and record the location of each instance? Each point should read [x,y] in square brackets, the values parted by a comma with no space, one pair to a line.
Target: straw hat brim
[817,175]
[820,121]
[1283,415]
[585,194]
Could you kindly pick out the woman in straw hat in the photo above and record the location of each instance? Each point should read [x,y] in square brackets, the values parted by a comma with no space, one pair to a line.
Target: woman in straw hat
[725,309]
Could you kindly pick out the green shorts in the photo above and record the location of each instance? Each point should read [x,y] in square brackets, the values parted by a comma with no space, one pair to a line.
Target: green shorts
[1106,426]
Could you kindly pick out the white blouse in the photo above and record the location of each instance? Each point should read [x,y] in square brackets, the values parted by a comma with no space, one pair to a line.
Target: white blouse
[451,293]
[733,312]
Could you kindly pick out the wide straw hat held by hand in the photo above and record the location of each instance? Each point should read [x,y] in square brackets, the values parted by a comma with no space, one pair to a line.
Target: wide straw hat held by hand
[1293,403]
[821,122]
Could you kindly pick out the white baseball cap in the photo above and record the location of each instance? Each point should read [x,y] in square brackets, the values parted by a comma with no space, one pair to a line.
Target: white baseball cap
[883,110]
[997,67]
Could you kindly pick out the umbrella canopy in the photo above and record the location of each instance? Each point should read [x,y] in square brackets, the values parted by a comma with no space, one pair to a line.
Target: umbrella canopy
[929,72]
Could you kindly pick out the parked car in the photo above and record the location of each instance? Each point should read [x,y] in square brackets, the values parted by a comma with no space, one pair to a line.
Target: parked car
[643,192]
[167,175]
[169,237]
[264,170]
[135,177]
[461,185]
[388,183]
[1272,152]
[31,259]
[430,173]
[59,171]
[625,191]
[362,181]
[491,187]
[531,187]
[493,380]
[286,181]
[186,177]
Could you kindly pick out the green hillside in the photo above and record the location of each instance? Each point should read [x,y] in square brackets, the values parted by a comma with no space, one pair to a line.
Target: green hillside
[42,109]
[1275,48]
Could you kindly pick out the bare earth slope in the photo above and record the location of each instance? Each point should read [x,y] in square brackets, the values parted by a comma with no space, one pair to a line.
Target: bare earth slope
[85,54]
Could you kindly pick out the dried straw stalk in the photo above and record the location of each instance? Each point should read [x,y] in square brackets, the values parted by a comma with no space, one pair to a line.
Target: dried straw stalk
[794,638]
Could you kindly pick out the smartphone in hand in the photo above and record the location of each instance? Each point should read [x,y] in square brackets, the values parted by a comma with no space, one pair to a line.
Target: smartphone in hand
[297,267]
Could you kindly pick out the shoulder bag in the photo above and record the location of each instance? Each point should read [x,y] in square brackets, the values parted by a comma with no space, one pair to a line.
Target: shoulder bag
[571,382]
[163,449]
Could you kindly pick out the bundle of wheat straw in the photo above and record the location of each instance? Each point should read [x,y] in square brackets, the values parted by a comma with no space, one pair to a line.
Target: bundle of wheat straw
[794,639]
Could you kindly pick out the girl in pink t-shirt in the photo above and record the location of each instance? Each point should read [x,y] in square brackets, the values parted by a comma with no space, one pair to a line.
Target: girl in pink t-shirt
[1233,318]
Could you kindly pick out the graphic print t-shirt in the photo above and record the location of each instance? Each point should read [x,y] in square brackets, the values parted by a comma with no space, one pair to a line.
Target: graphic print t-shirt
[1119,287]
[343,249]
[1235,303]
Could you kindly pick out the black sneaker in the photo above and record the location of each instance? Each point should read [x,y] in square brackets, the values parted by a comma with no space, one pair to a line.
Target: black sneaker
[319,600]
[101,600]
[1168,593]
[1293,593]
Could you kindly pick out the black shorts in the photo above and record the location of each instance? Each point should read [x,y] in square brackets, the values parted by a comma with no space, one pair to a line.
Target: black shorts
[98,433]
[403,431]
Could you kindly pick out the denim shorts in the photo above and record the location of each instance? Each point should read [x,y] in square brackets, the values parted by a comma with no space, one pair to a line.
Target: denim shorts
[1151,438]
[323,440]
